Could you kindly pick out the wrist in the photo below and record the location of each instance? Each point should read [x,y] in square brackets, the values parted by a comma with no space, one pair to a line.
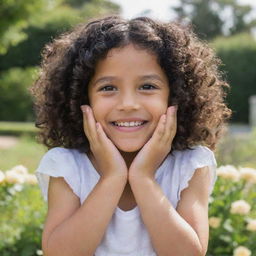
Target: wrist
[140,176]
[120,178]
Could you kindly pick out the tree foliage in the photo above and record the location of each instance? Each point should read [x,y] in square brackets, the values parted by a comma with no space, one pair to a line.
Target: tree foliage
[17,17]
[14,17]
[238,56]
[212,18]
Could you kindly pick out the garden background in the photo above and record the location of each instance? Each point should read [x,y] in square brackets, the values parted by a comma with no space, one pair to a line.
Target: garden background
[25,27]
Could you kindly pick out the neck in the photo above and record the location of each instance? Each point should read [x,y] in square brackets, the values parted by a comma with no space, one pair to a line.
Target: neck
[128,157]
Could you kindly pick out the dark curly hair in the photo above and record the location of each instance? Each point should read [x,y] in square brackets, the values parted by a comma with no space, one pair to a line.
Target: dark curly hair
[191,67]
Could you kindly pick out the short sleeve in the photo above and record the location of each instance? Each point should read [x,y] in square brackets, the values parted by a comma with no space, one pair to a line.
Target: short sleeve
[58,162]
[198,157]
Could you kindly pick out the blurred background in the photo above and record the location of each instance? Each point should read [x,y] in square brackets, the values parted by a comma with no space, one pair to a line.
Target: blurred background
[229,26]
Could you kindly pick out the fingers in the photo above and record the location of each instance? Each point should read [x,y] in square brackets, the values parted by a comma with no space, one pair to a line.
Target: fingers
[89,123]
[166,127]
[160,129]
[102,135]
[171,121]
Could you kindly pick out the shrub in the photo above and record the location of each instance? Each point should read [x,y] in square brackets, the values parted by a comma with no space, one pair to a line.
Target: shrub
[232,212]
[21,213]
[15,100]
[238,53]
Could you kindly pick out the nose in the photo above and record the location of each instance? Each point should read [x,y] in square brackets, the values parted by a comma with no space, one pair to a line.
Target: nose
[128,101]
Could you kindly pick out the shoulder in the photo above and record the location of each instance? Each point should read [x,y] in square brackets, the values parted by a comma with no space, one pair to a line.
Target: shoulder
[59,162]
[63,157]
[194,152]
[56,152]
[196,157]
[199,161]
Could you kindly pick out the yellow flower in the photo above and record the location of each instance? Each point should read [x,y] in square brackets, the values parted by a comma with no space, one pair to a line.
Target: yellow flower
[242,251]
[214,222]
[240,207]
[248,174]
[2,177]
[251,226]
[228,172]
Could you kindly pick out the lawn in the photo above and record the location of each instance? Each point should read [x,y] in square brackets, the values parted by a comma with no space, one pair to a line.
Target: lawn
[26,152]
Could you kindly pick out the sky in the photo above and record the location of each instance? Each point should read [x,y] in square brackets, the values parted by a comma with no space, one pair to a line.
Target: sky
[159,9]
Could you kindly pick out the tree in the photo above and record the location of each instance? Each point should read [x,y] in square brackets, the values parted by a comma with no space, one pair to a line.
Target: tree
[209,17]
[14,18]
[45,26]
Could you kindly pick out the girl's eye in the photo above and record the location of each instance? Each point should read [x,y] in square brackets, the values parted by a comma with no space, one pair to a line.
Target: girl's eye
[148,87]
[108,88]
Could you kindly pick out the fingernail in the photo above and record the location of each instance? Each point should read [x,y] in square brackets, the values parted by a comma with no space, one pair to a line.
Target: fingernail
[172,109]
[85,108]
[82,108]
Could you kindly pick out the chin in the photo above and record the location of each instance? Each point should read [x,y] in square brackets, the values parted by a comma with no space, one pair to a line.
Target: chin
[129,148]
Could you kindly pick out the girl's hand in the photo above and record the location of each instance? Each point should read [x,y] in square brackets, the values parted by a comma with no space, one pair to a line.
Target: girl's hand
[156,149]
[109,161]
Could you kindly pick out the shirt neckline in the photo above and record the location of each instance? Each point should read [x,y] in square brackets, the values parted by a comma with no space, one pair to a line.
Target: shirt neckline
[135,211]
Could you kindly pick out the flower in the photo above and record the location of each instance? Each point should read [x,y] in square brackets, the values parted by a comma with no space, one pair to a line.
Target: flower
[31,179]
[240,207]
[39,252]
[242,251]
[13,177]
[248,174]
[2,177]
[20,169]
[214,222]
[251,226]
[228,172]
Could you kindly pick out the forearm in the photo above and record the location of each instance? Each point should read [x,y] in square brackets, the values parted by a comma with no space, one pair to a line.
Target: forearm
[170,233]
[82,233]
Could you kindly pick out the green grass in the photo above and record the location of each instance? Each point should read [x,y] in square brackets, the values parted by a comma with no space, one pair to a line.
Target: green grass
[17,128]
[27,152]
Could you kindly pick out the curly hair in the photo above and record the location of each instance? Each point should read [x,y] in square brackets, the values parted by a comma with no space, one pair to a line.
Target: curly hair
[68,64]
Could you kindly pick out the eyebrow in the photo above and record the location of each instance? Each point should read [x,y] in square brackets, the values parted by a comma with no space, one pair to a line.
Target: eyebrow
[111,78]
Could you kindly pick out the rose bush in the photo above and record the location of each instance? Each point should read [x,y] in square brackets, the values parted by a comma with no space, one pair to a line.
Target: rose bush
[21,213]
[232,213]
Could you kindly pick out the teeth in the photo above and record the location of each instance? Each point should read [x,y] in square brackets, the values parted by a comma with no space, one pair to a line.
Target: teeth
[128,124]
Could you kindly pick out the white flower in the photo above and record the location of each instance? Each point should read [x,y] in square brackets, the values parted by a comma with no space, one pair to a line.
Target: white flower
[248,174]
[251,226]
[2,177]
[228,172]
[31,179]
[18,187]
[214,222]
[240,207]
[13,177]
[20,169]
[39,252]
[242,251]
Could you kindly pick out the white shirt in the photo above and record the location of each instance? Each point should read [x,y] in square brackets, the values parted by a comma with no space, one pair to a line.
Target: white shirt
[126,233]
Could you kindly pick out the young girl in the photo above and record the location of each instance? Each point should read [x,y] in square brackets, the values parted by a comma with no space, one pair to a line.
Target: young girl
[131,111]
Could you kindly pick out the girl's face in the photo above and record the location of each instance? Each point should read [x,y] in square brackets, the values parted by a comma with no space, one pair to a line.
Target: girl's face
[128,93]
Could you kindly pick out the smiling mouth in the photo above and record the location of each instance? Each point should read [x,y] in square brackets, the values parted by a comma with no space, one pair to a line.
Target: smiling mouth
[129,124]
